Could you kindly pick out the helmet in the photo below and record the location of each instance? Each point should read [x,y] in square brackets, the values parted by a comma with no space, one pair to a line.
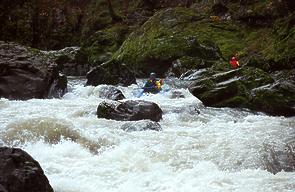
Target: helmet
[153,75]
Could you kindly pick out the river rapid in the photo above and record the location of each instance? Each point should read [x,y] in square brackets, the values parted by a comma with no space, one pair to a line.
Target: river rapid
[199,149]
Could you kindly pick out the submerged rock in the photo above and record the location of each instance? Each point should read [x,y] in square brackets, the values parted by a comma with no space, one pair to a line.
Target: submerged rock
[110,92]
[26,73]
[279,159]
[19,172]
[129,110]
[141,125]
[176,95]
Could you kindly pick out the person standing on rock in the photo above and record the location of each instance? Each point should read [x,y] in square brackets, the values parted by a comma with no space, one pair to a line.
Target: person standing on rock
[153,85]
[234,61]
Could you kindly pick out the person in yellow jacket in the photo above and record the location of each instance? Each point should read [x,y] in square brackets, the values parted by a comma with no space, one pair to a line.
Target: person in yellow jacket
[153,85]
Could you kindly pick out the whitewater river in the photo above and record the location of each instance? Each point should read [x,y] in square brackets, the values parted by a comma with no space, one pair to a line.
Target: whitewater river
[198,150]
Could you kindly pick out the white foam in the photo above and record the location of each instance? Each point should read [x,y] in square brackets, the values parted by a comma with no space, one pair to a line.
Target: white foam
[213,150]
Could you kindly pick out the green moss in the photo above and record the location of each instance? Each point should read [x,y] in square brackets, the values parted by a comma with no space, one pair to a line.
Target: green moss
[254,77]
[168,35]
[101,45]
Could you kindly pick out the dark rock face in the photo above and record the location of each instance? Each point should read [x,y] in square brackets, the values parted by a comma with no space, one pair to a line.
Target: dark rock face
[129,110]
[141,125]
[19,172]
[247,87]
[26,74]
[111,92]
[277,98]
[110,74]
[72,61]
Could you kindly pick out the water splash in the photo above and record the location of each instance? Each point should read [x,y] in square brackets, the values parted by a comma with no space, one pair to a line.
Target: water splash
[198,149]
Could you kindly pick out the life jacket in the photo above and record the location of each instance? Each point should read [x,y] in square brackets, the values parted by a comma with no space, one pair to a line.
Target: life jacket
[158,85]
[153,86]
[234,62]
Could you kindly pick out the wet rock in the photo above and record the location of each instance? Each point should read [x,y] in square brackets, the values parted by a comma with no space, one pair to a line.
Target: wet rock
[141,125]
[247,87]
[183,65]
[110,92]
[26,73]
[176,95]
[129,110]
[281,158]
[19,172]
[193,74]
[258,61]
[110,73]
[74,63]
[71,61]
[277,98]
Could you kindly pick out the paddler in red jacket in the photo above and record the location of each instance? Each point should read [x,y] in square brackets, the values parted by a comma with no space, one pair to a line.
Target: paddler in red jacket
[234,61]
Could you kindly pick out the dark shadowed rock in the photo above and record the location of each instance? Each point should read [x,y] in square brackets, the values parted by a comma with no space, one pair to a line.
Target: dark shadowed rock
[141,125]
[71,61]
[19,172]
[277,98]
[110,92]
[247,87]
[27,73]
[111,74]
[129,110]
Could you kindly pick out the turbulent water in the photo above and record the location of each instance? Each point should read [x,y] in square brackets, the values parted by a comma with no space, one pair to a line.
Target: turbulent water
[198,149]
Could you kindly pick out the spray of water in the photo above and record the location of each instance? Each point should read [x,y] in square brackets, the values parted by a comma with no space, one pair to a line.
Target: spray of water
[197,149]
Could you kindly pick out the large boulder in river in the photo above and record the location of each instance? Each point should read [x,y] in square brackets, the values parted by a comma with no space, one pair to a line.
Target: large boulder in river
[129,110]
[110,73]
[19,172]
[167,36]
[247,87]
[72,61]
[26,73]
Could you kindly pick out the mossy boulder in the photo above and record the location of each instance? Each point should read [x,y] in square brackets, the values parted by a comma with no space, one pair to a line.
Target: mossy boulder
[248,87]
[167,36]
[27,73]
[103,43]
[72,61]
[277,98]
[284,44]
[233,88]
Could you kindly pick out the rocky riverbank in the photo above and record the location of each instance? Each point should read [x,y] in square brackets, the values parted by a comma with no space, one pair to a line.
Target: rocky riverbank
[193,40]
